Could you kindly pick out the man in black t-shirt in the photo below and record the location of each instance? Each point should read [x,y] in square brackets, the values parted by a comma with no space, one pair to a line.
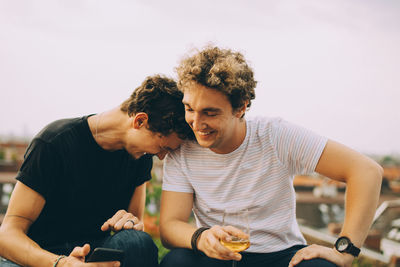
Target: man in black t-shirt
[84,178]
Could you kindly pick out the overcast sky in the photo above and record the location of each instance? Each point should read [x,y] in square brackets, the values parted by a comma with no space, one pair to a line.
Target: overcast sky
[331,66]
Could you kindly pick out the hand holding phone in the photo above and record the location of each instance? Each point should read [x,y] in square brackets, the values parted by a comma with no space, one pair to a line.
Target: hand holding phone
[106,254]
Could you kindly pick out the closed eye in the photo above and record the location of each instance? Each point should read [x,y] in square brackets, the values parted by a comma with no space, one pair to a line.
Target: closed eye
[211,114]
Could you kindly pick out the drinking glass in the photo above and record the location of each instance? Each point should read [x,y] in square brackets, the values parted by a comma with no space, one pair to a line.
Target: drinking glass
[240,220]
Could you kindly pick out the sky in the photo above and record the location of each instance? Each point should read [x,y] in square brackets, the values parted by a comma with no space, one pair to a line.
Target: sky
[331,66]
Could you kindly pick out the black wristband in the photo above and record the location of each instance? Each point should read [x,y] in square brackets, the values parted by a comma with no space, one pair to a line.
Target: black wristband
[196,236]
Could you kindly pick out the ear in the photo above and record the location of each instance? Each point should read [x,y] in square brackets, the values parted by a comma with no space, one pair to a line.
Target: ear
[140,120]
[242,110]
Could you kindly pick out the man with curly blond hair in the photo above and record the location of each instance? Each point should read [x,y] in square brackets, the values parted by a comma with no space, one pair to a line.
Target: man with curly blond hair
[84,178]
[249,163]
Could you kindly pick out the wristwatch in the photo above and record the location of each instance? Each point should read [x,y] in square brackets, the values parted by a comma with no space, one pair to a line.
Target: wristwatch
[344,245]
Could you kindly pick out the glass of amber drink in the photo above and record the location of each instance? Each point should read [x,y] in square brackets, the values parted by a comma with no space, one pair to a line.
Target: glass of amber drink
[239,220]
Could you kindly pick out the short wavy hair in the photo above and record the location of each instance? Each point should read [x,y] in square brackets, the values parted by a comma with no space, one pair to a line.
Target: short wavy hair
[221,69]
[160,98]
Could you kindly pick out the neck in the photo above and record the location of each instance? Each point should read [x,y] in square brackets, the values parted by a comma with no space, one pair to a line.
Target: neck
[109,128]
[236,139]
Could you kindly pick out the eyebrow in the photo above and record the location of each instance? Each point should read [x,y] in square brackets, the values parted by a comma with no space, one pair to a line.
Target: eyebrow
[208,109]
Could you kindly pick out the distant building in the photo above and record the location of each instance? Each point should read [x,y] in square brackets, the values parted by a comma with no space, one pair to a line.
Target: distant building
[391,172]
[315,180]
[391,178]
[11,155]
[11,158]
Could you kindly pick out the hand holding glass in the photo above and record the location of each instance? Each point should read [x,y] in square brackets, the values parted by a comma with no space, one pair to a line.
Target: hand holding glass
[240,220]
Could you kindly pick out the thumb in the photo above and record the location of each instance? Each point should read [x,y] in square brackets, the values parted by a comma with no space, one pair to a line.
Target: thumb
[81,252]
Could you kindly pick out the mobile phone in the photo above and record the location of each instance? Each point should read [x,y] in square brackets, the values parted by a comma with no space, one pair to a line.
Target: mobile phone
[106,254]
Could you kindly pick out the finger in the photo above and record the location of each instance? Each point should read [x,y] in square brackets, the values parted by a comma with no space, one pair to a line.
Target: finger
[105,226]
[220,233]
[129,224]
[230,255]
[304,254]
[214,241]
[233,231]
[123,220]
[139,226]
[312,252]
[86,249]
[214,247]
[226,253]
[117,216]
[80,252]
[296,259]
[109,224]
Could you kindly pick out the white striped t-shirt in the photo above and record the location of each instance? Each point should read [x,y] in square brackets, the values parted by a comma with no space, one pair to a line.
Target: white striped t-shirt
[258,176]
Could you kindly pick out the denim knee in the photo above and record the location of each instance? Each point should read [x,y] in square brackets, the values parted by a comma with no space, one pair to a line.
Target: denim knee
[7,263]
[179,257]
[138,246]
[187,258]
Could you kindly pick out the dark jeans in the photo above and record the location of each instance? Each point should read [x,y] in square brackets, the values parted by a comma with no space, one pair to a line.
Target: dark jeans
[138,246]
[186,258]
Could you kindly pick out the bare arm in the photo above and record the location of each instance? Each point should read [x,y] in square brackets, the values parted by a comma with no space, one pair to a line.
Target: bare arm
[24,208]
[177,232]
[363,177]
[138,201]
[174,215]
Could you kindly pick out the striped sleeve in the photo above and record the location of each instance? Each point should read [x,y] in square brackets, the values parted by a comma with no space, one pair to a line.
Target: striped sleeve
[174,178]
[297,148]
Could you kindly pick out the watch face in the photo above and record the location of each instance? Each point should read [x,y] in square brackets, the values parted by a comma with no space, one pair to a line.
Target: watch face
[342,244]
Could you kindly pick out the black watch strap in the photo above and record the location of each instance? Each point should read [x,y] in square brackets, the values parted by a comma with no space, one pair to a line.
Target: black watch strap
[353,250]
[350,248]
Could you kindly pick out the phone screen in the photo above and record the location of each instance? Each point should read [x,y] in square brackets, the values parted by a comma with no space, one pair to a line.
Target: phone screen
[106,254]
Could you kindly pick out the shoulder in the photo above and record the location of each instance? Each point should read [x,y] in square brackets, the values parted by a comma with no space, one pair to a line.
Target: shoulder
[50,139]
[271,125]
[58,128]
[187,150]
[259,121]
[261,126]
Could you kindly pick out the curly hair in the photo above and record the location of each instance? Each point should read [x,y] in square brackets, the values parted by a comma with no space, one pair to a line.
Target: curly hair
[220,69]
[160,98]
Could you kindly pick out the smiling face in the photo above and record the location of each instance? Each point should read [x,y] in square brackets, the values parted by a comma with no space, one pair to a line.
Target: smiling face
[155,144]
[210,115]
[140,140]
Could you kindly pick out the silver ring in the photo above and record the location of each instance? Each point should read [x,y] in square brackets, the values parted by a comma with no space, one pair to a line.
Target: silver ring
[131,222]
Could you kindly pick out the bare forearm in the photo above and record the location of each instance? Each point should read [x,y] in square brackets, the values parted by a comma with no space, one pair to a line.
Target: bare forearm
[174,216]
[361,203]
[176,234]
[19,248]
[23,209]
[363,177]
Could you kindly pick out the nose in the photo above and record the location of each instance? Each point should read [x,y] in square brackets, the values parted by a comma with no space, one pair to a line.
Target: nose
[161,155]
[197,122]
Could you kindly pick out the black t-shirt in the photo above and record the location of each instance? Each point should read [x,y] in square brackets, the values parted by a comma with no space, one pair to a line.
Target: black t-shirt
[83,184]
